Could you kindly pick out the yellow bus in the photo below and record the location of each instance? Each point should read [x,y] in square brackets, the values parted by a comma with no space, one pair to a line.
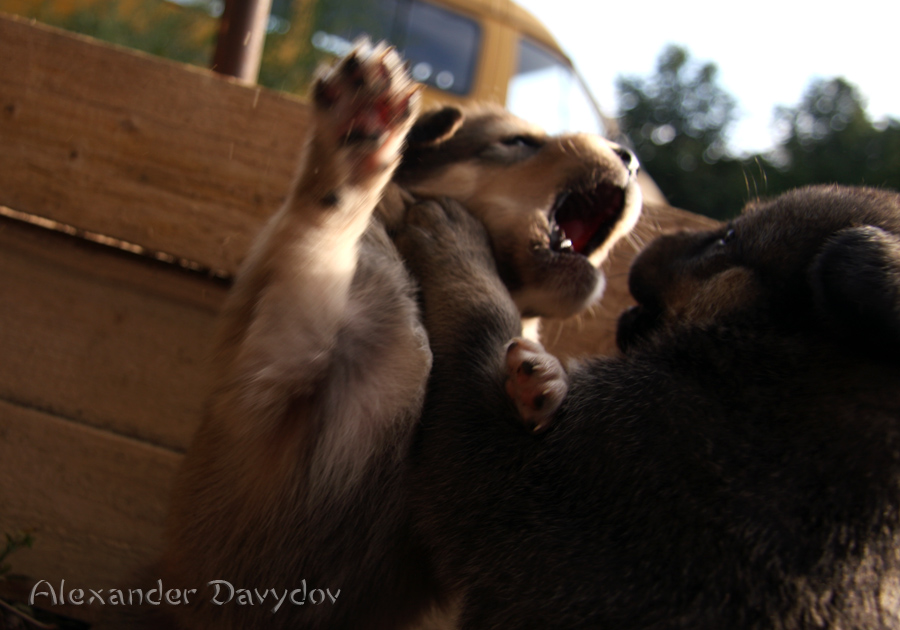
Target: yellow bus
[470,50]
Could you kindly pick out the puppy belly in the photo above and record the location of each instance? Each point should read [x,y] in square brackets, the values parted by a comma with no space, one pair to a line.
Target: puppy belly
[322,496]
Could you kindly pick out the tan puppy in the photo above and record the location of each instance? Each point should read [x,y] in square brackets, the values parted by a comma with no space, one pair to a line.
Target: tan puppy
[295,485]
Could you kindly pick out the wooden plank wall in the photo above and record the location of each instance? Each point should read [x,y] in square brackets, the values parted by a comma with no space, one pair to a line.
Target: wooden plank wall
[174,158]
[103,352]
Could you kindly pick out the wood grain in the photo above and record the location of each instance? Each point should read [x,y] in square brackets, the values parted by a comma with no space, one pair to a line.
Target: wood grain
[171,157]
[103,337]
[95,502]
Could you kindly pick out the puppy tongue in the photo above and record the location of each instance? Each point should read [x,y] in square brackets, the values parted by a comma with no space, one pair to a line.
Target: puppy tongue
[580,231]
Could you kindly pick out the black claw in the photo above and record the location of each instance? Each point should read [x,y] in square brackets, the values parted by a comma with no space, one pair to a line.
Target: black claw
[352,65]
[358,135]
[330,199]
[323,94]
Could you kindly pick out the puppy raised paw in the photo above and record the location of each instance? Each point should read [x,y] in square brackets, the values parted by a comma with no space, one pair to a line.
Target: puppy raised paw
[366,103]
[536,382]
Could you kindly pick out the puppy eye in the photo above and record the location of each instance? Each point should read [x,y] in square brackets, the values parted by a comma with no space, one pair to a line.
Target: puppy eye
[522,141]
[726,239]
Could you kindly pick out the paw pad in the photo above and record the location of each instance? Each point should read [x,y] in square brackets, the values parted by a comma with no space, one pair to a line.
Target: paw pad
[536,382]
[368,95]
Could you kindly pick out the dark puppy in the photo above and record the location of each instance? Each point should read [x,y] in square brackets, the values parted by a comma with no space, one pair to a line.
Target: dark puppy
[737,467]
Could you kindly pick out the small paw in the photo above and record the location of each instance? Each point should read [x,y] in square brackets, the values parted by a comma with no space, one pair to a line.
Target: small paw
[536,382]
[367,102]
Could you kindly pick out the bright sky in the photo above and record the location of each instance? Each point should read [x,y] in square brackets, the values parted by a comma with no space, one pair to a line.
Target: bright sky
[767,50]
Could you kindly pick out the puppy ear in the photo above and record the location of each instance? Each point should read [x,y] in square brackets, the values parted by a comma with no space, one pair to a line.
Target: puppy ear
[435,126]
[856,287]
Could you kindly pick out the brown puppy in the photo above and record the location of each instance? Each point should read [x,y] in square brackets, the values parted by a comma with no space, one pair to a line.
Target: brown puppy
[737,467]
[294,488]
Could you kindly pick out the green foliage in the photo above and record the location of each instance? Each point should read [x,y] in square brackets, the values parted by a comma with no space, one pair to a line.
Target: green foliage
[288,61]
[681,102]
[290,74]
[14,542]
[829,138]
[186,32]
[678,121]
[15,615]
[154,27]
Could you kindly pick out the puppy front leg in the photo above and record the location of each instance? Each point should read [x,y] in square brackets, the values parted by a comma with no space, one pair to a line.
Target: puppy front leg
[290,476]
[448,251]
[469,450]
[467,312]
[287,304]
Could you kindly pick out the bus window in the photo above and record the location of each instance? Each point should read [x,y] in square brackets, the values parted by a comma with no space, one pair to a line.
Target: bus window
[340,22]
[546,91]
[441,46]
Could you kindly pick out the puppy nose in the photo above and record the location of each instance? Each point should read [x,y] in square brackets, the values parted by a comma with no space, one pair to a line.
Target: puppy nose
[628,158]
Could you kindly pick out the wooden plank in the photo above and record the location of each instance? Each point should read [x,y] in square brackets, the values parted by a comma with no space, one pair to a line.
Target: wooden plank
[95,501]
[171,157]
[103,337]
[594,333]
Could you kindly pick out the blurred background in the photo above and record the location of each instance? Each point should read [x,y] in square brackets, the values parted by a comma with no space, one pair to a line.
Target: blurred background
[722,104]
[728,100]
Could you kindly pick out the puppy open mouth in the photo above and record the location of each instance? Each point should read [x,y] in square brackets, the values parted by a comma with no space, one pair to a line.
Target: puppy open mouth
[583,217]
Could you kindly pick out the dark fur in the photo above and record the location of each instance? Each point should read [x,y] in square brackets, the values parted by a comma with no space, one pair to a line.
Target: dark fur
[737,467]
